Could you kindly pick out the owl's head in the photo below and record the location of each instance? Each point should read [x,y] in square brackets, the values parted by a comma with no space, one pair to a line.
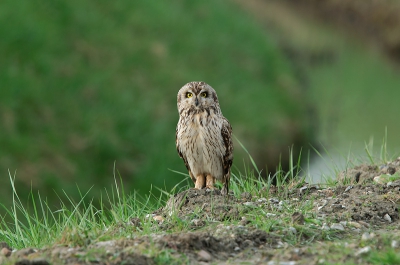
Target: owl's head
[197,96]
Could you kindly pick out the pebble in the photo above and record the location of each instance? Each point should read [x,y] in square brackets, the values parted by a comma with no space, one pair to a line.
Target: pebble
[348,188]
[158,218]
[249,204]
[204,255]
[387,218]
[274,200]
[292,230]
[237,248]
[5,252]
[337,226]
[272,262]
[354,224]
[395,244]
[325,227]
[367,236]
[270,215]
[363,250]
[109,243]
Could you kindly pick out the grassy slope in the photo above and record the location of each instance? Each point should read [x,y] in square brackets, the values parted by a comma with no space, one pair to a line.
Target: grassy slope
[84,84]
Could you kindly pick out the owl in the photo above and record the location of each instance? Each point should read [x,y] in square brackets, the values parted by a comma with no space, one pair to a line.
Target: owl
[204,136]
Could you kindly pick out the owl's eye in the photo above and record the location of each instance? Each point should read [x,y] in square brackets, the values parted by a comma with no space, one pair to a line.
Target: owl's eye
[189,95]
[204,94]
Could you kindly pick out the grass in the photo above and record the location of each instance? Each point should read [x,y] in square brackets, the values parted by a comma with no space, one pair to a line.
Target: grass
[273,210]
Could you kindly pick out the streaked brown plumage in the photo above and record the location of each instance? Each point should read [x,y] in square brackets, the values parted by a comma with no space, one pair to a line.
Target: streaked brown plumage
[204,136]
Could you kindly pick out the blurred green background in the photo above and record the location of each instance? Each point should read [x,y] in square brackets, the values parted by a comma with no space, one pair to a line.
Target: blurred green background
[84,85]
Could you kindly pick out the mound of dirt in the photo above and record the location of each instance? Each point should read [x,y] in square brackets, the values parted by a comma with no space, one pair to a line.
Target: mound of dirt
[222,228]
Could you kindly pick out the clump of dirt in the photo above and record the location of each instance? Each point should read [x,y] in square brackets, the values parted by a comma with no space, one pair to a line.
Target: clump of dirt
[206,204]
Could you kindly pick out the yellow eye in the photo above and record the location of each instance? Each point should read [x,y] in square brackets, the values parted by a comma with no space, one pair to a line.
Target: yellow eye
[189,95]
[204,94]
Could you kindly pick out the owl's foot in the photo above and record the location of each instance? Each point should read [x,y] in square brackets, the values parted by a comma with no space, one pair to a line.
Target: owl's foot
[200,182]
[210,180]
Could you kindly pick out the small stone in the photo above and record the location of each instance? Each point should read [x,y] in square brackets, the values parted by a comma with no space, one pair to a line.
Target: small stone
[354,224]
[337,226]
[344,223]
[348,188]
[261,200]
[158,218]
[274,200]
[244,221]
[5,252]
[325,227]
[270,215]
[367,236]
[387,218]
[237,249]
[197,222]
[204,255]
[394,244]
[109,243]
[249,204]
[363,251]
[292,230]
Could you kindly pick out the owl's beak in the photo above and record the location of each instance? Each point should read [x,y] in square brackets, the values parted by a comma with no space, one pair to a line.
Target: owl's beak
[196,101]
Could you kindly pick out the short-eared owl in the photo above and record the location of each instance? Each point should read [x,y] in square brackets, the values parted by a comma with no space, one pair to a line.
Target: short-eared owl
[203,136]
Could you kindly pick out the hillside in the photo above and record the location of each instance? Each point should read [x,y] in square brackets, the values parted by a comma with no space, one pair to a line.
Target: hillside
[85,85]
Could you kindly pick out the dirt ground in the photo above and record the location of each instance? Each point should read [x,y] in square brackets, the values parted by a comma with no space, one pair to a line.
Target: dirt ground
[225,230]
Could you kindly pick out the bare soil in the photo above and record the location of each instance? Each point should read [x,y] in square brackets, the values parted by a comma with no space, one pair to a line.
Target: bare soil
[210,228]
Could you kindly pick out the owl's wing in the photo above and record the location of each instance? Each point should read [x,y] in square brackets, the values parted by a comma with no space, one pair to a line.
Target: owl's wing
[226,133]
[182,156]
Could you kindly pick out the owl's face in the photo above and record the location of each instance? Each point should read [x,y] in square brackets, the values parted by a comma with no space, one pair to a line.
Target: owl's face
[198,96]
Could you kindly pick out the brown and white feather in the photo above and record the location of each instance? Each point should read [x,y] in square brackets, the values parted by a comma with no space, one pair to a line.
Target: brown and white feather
[204,135]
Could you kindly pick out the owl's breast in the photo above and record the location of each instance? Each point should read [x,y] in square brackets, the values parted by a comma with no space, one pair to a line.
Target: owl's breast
[200,141]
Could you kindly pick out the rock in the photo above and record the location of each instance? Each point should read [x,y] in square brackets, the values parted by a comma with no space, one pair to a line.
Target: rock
[348,188]
[158,218]
[249,204]
[367,236]
[394,244]
[363,251]
[204,255]
[387,218]
[5,252]
[354,224]
[337,226]
[325,227]
[292,230]
[109,243]
[270,215]
[197,222]
[272,262]
[237,249]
